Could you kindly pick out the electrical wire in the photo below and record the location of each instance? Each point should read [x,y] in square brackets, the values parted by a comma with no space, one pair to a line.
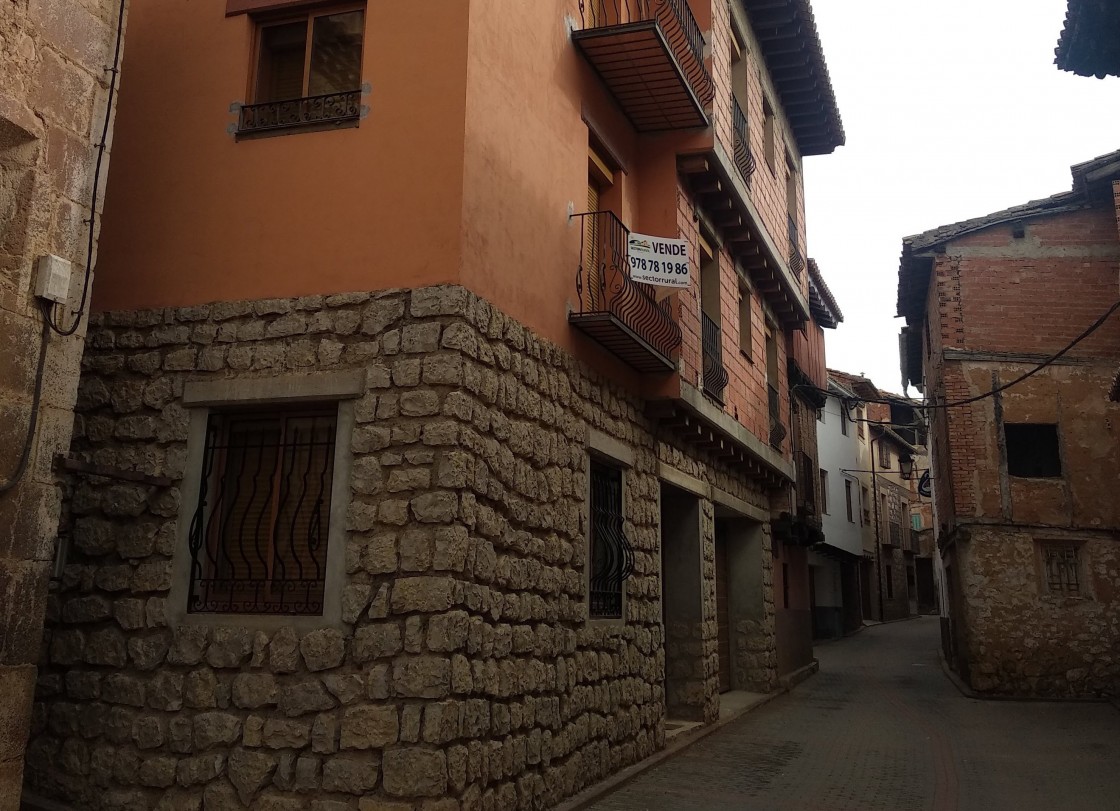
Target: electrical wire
[970,400]
[33,421]
[101,147]
[49,324]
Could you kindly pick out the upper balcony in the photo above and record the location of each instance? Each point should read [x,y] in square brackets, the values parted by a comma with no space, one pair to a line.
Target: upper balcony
[650,54]
[621,314]
[796,259]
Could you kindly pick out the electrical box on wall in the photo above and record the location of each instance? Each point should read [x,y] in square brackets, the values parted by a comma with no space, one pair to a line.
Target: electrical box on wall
[52,278]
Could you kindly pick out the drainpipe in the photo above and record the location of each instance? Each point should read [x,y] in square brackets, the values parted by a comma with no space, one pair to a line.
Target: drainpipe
[878,541]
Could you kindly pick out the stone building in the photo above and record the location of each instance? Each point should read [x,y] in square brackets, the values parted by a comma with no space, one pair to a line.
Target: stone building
[54,60]
[407,494]
[1022,476]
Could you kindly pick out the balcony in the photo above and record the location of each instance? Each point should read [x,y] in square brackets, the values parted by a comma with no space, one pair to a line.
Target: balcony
[715,375]
[650,55]
[614,310]
[312,112]
[796,260]
[744,158]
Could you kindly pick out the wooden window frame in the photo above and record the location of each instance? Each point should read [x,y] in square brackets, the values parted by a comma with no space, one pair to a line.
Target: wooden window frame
[848,500]
[824,491]
[286,15]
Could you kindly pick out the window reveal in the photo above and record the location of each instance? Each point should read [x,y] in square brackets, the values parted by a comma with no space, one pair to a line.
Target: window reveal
[1062,569]
[611,556]
[1033,450]
[258,537]
[308,71]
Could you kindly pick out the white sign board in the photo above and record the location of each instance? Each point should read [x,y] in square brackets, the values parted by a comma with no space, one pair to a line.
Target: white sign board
[656,260]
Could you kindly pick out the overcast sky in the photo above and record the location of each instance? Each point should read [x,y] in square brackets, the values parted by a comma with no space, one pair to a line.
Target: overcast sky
[952,109]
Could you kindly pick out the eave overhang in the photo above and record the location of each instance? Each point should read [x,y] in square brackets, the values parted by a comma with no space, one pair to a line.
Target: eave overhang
[822,304]
[723,197]
[791,47]
[1089,44]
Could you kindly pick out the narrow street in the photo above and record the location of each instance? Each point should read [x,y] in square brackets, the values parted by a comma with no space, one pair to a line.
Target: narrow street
[881,727]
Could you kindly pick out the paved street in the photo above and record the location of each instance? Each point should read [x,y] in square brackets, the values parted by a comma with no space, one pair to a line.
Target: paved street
[880,727]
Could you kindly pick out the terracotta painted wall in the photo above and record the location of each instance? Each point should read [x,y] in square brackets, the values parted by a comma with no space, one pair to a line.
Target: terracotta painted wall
[197,216]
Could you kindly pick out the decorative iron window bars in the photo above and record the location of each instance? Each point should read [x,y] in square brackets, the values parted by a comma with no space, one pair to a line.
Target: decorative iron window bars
[611,556]
[777,430]
[675,20]
[796,260]
[744,158]
[1063,572]
[603,284]
[715,375]
[258,537]
[331,108]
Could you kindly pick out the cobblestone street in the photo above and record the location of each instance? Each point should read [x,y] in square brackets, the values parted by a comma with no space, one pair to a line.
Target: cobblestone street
[881,727]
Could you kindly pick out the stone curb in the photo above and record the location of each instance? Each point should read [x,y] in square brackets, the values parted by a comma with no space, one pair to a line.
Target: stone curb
[604,787]
[968,692]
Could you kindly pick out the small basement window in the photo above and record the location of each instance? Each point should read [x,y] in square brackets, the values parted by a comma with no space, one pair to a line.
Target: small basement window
[258,533]
[1062,568]
[1032,450]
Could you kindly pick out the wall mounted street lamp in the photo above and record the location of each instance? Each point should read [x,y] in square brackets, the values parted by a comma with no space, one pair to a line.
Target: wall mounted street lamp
[906,466]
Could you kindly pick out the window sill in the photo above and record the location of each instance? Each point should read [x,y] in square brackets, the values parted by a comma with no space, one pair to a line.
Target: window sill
[747,355]
[295,129]
[308,114]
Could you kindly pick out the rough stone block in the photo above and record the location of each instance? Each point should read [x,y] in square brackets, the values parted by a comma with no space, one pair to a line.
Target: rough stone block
[414,772]
[369,727]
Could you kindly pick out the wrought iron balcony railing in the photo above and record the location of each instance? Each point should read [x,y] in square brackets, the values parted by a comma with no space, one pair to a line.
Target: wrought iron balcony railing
[623,315]
[744,158]
[650,53]
[332,108]
[796,260]
[715,375]
[777,429]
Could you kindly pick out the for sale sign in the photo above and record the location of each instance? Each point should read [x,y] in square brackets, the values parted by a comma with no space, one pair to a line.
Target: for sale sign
[656,260]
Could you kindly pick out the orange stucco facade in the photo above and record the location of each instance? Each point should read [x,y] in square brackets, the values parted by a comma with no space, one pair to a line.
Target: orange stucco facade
[464,168]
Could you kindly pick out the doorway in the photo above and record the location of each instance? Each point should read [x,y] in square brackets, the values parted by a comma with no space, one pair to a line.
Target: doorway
[723,621]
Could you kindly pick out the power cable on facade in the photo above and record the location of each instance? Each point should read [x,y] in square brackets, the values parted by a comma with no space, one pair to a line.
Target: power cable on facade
[33,420]
[970,400]
[101,147]
[49,324]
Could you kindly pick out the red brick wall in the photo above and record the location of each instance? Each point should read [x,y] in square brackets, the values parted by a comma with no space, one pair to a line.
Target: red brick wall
[993,293]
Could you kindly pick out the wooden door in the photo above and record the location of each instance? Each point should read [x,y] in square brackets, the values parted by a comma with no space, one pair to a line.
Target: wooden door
[722,617]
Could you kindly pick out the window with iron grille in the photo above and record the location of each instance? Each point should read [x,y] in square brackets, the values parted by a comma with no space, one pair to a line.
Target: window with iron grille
[307,69]
[611,557]
[258,534]
[1062,568]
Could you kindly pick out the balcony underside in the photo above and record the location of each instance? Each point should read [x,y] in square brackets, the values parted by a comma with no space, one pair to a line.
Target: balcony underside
[711,181]
[610,332]
[638,66]
[698,424]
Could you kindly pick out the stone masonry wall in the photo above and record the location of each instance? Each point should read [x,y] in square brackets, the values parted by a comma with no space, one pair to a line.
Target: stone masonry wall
[53,60]
[466,675]
[1022,640]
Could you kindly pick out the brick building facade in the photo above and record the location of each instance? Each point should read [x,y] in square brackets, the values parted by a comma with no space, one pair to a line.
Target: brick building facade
[1023,505]
[408,495]
[55,60]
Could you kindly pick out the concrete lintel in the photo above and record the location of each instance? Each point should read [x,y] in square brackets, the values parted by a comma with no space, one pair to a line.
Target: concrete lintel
[277,389]
[607,446]
[680,479]
[1020,357]
[736,504]
[735,430]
